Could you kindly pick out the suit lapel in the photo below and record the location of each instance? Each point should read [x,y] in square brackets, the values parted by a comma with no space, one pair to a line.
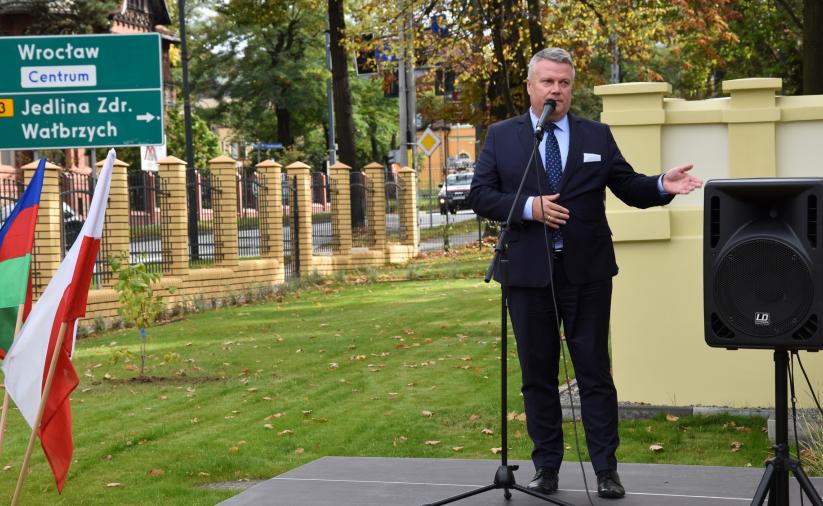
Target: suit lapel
[575,156]
[525,135]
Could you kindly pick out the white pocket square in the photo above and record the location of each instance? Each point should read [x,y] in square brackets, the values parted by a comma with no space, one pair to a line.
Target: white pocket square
[591,157]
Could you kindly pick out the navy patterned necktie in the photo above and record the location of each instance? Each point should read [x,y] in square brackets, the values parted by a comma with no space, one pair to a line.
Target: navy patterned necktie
[554,171]
[553,164]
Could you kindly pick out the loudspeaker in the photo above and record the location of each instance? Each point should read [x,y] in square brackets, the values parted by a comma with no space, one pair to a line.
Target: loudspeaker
[763,263]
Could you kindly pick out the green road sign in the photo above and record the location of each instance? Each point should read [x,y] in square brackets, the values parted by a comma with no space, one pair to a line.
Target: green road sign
[80,91]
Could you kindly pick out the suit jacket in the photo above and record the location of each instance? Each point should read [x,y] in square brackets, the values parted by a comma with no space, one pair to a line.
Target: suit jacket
[588,251]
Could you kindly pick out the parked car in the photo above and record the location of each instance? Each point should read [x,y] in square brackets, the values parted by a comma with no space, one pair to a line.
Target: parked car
[454,194]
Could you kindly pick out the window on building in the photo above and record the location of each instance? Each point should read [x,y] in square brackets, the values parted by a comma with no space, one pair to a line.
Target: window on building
[7,158]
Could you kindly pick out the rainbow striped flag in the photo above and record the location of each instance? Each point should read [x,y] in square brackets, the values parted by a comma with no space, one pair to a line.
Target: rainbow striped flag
[16,246]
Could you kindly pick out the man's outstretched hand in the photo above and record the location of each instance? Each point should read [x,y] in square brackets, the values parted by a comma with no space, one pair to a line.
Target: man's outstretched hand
[678,181]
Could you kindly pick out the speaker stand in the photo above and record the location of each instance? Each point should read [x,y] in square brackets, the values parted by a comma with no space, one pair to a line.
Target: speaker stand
[775,481]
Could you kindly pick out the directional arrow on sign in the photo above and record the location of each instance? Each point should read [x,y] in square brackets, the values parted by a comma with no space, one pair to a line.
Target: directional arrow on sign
[145,117]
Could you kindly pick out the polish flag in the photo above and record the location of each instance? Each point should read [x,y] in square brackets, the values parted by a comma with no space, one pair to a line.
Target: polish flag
[27,363]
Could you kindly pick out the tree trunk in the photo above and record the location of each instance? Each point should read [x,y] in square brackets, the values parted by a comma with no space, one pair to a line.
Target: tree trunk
[344,124]
[536,38]
[284,126]
[812,47]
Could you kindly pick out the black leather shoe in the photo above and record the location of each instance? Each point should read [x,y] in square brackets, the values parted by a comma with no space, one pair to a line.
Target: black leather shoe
[609,486]
[544,481]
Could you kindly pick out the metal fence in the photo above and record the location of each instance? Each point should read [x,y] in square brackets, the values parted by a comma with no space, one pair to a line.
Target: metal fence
[394,191]
[76,192]
[322,227]
[361,232]
[148,201]
[250,191]
[462,228]
[202,191]
[10,192]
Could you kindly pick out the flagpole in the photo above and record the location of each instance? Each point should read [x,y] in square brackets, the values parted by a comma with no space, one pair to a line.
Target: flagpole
[46,390]
[5,412]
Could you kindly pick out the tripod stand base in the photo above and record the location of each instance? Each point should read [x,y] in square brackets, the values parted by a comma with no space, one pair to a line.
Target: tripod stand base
[777,486]
[504,478]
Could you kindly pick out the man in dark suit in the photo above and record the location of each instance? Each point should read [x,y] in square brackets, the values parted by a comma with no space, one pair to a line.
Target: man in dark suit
[560,249]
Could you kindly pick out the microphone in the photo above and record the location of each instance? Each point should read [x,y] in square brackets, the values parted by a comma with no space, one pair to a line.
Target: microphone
[548,108]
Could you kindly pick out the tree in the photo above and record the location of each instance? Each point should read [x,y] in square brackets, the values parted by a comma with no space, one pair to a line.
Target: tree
[206,144]
[344,122]
[812,47]
[79,16]
[263,63]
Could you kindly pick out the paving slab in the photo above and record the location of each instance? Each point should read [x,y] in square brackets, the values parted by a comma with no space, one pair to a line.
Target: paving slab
[375,481]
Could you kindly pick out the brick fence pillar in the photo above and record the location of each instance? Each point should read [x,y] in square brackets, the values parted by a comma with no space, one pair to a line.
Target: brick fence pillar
[304,236]
[175,244]
[409,228]
[376,176]
[224,170]
[340,182]
[116,231]
[271,219]
[47,255]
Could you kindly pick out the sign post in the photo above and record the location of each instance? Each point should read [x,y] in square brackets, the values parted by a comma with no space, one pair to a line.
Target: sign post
[428,143]
[80,91]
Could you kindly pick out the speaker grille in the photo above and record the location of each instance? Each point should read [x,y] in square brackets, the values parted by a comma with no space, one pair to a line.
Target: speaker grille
[763,287]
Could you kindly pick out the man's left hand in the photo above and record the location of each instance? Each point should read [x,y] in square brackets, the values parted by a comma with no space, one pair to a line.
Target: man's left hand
[678,181]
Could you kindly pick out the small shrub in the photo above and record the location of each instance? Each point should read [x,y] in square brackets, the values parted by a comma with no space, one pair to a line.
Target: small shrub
[812,448]
[372,274]
[139,304]
[412,272]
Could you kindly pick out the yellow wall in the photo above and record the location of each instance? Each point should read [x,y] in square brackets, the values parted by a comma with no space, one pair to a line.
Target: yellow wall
[460,139]
[659,352]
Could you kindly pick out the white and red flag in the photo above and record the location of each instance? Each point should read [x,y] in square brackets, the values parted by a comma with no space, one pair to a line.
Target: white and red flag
[27,362]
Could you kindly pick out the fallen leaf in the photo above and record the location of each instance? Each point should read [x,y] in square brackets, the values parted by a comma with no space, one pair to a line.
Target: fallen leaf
[287,432]
[157,472]
[672,418]
[6,468]
[114,484]
[474,417]
[517,434]
[299,451]
[203,474]
[234,449]
[736,446]
[432,443]
[487,432]
[426,413]
[656,447]
[268,426]
[496,450]
[457,448]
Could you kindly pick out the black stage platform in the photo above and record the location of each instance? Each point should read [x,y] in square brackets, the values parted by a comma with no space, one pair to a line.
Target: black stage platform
[366,481]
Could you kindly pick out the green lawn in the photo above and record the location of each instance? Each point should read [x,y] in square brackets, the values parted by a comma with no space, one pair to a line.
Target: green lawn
[373,369]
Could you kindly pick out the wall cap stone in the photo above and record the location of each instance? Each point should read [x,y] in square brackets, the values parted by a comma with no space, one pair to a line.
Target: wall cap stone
[33,165]
[297,165]
[373,165]
[632,88]
[223,159]
[269,163]
[171,160]
[405,170]
[337,165]
[117,163]
[753,83]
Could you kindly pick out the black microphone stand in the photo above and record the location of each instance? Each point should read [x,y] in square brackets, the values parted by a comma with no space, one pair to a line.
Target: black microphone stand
[504,478]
